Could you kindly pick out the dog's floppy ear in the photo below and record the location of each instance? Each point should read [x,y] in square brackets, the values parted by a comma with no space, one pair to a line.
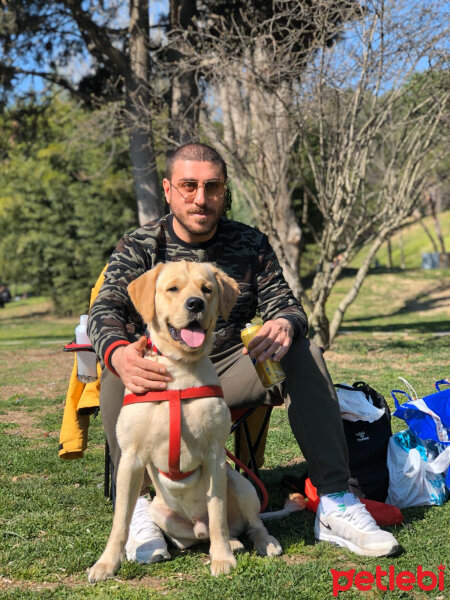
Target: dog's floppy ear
[228,292]
[142,293]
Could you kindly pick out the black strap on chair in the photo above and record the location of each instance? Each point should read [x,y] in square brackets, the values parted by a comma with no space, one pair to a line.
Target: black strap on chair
[239,426]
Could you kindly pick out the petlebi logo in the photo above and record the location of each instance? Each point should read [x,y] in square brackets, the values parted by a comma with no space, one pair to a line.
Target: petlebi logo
[389,579]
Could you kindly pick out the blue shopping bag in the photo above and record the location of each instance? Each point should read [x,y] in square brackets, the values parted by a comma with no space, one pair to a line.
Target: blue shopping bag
[427,417]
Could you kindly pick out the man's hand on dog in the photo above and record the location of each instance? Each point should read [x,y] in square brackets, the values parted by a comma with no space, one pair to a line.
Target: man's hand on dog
[273,340]
[139,374]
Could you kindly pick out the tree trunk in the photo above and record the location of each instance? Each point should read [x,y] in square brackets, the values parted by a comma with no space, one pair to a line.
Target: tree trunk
[389,254]
[142,155]
[257,141]
[432,203]
[402,250]
[419,219]
[185,96]
[354,290]
[285,236]
[320,327]
[271,131]
[318,297]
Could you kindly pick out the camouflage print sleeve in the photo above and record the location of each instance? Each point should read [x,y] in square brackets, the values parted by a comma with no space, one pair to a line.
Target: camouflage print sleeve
[275,298]
[112,318]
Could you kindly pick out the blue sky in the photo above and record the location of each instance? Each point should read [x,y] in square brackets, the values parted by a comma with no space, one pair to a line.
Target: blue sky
[81,65]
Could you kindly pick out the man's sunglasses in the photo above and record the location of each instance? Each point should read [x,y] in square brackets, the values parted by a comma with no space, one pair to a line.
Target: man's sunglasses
[214,190]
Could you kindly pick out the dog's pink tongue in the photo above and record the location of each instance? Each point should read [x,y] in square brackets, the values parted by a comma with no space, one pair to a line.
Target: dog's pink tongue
[192,336]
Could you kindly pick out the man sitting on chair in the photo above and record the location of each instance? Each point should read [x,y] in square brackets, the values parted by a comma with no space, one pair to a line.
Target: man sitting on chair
[197,230]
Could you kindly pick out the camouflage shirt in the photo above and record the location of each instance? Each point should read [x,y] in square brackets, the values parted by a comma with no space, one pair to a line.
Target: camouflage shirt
[241,251]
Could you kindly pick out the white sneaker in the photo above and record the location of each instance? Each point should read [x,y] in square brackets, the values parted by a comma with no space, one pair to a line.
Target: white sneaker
[352,527]
[146,543]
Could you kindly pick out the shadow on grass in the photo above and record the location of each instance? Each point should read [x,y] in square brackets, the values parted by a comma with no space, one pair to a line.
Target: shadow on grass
[415,272]
[36,338]
[411,345]
[350,273]
[418,326]
[415,513]
[418,303]
[29,316]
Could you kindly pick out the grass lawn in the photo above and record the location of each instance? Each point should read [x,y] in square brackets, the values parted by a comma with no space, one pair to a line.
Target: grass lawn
[31,322]
[412,301]
[410,243]
[54,519]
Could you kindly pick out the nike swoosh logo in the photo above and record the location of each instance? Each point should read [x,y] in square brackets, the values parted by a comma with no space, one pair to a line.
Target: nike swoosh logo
[325,525]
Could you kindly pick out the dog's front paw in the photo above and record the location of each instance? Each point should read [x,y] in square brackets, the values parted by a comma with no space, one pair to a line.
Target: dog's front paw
[270,547]
[100,571]
[222,567]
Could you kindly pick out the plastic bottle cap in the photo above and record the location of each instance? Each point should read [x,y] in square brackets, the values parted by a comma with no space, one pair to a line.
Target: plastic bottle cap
[84,319]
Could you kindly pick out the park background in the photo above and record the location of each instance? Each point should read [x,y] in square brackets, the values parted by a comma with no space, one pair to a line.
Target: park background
[333,120]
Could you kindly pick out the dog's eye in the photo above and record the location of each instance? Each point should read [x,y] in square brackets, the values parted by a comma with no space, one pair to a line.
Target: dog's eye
[173,289]
[206,289]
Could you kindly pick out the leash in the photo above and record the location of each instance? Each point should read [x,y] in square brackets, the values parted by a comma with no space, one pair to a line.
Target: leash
[259,483]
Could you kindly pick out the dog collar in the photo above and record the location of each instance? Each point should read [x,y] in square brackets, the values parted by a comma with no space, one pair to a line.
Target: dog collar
[151,345]
[174,398]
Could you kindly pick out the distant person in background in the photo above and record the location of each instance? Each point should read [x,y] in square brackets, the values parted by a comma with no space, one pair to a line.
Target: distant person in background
[5,295]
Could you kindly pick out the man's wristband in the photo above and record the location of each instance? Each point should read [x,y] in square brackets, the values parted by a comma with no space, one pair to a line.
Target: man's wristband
[110,351]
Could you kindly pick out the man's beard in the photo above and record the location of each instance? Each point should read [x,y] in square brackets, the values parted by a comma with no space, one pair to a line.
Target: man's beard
[199,228]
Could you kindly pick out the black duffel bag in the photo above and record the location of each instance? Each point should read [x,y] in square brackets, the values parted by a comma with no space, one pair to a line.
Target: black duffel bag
[367,445]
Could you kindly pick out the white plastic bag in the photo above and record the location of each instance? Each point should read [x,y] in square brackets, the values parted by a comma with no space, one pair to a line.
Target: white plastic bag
[416,470]
[355,405]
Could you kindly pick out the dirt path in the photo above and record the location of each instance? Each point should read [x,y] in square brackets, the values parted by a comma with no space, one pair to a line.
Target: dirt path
[36,372]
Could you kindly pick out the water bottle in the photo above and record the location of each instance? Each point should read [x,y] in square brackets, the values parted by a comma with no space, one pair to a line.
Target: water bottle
[86,360]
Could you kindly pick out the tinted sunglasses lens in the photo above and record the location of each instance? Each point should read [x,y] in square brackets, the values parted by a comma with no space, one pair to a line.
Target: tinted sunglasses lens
[214,189]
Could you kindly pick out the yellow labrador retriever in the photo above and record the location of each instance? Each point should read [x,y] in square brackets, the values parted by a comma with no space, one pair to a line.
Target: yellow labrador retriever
[197,495]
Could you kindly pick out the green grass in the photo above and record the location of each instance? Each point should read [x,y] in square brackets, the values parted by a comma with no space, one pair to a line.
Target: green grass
[412,241]
[54,519]
[411,300]
[31,320]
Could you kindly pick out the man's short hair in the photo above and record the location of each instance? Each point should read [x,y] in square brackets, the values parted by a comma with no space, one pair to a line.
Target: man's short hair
[194,151]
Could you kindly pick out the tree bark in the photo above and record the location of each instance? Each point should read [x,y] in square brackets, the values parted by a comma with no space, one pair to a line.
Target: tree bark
[136,73]
[285,237]
[354,290]
[419,219]
[389,254]
[185,96]
[142,155]
[402,250]
[368,151]
[432,203]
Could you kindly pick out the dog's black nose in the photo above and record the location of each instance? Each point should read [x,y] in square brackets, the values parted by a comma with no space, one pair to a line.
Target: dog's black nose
[194,304]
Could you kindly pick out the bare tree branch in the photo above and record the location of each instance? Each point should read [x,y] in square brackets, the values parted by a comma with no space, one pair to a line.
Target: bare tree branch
[355,110]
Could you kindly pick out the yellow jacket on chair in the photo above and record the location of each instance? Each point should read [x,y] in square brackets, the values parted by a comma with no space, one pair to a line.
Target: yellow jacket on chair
[82,400]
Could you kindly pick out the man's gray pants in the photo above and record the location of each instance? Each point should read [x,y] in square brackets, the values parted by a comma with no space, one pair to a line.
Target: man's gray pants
[307,392]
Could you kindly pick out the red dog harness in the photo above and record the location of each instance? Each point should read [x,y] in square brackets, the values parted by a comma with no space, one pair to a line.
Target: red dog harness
[174,397]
